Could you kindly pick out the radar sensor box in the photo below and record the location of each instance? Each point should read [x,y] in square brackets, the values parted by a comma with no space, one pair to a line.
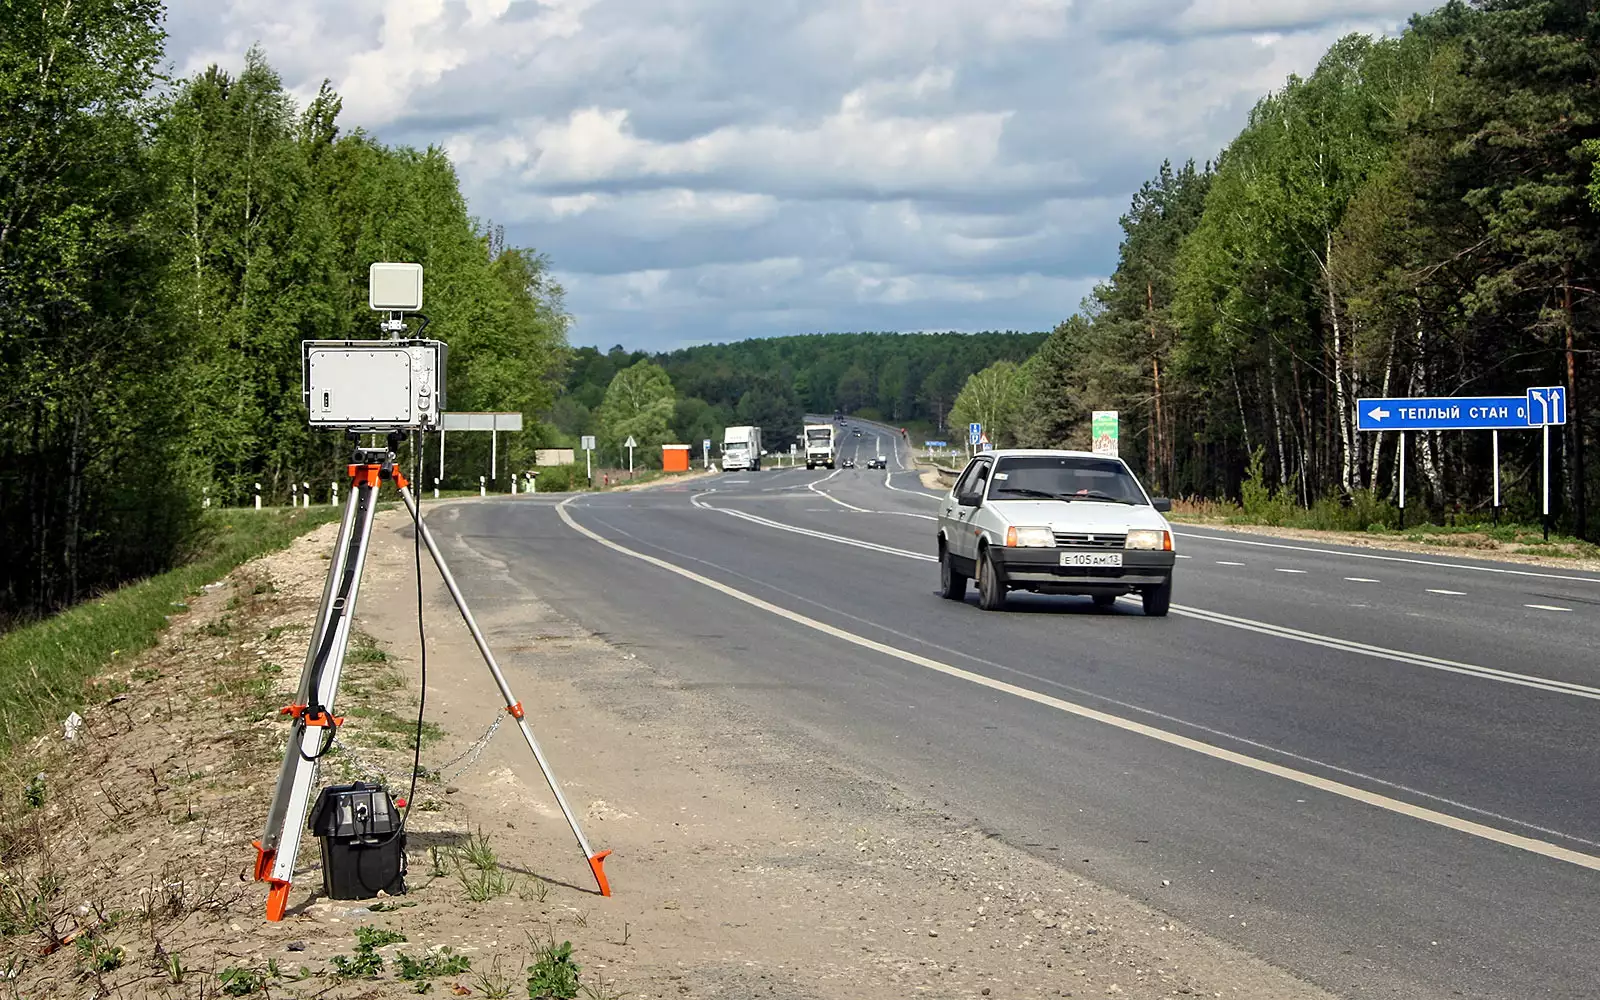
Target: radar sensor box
[374,385]
[363,845]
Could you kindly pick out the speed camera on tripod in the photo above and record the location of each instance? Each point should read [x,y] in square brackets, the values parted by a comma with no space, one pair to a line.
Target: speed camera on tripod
[378,386]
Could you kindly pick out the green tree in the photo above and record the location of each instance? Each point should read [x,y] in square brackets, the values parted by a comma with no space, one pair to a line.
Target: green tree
[771,404]
[639,404]
[993,398]
[92,489]
[1052,413]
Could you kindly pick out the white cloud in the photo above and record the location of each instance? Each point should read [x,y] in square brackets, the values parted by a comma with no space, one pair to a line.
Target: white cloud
[715,168]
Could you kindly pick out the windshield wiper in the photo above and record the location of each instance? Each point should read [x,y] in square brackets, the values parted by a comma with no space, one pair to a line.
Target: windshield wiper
[1027,492]
[1096,495]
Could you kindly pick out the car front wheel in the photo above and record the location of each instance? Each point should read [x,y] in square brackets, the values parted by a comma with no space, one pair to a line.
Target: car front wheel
[1158,599]
[991,592]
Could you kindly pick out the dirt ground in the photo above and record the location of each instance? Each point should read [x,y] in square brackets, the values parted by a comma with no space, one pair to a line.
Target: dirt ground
[746,863]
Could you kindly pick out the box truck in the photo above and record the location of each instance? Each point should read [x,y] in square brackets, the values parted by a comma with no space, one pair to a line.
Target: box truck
[741,449]
[819,445]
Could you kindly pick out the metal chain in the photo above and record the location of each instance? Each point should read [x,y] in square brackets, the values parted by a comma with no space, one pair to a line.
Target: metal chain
[471,754]
[465,758]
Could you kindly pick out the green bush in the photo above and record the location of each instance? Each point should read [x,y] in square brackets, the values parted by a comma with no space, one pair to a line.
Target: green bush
[1261,503]
[561,479]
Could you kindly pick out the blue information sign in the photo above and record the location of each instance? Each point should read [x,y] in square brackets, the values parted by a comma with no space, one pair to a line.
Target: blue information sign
[1547,406]
[1446,413]
[935,444]
[974,431]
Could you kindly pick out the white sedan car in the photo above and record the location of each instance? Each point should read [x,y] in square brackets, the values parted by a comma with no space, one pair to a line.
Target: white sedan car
[1054,522]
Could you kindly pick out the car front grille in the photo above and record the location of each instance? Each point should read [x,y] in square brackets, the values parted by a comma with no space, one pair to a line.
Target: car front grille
[1089,540]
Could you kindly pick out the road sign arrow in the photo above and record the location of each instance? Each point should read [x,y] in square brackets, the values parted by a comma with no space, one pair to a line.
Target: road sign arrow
[1378,413]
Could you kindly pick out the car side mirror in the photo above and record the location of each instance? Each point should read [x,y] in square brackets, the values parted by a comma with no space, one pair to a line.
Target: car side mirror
[969,499]
[1161,504]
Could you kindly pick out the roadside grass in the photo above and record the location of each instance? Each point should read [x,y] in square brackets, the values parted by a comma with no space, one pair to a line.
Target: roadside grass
[45,665]
[1465,531]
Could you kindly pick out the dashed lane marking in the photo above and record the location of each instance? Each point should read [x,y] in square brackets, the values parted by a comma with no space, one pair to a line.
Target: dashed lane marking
[1447,593]
[1224,562]
[1279,569]
[1546,607]
[1360,579]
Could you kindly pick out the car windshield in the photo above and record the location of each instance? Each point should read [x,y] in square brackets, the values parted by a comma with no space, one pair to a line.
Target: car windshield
[736,446]
[1063,477]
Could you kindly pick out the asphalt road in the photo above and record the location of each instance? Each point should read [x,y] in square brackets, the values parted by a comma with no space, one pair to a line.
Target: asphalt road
[1378,770]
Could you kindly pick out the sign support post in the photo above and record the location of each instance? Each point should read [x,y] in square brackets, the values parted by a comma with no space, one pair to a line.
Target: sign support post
[1495,440]
[1402,479]
[587,443]
[1544,482]
[630,444]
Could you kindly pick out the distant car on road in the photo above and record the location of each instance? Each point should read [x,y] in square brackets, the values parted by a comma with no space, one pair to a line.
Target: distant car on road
[1054,522]
[878,463]
[858,433]
[848,463]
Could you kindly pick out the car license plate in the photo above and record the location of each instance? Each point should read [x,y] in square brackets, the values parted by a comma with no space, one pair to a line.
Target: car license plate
[1091,559]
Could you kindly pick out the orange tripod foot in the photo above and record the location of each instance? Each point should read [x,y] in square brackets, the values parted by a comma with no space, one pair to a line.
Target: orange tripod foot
[277,900]
[597,864]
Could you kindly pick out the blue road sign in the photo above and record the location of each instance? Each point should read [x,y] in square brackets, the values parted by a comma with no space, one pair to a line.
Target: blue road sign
[1447,413]
[935,444]
[974,432]
[1547,406]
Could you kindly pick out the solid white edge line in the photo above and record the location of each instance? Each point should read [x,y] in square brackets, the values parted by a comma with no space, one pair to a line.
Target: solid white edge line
[1382,558]
[1546,607]
[1338,788]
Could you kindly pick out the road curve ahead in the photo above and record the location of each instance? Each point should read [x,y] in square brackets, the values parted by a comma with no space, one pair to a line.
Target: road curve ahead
[1377,770]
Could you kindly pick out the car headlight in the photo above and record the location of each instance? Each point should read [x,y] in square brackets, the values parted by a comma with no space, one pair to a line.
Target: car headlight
[1030,538]
[1149,539]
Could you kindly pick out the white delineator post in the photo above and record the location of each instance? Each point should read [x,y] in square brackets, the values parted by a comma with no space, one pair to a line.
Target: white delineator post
[305,494]
[258,496]
[483,489]
[436,482]
[294,494]
[333,494]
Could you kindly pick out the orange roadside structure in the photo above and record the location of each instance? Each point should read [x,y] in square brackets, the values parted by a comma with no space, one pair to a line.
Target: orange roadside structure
[674,458]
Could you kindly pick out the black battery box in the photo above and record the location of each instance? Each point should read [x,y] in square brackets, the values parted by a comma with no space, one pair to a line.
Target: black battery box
[363,844]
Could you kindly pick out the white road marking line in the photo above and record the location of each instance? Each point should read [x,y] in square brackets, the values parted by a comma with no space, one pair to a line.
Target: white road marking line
[1252,625]
[1398,559]
[887,476]
[1361,579]
[1182,556]
[1448,593]
[1279,569]
[1337,788]
[812,486]
[1546,607]
[1221,562]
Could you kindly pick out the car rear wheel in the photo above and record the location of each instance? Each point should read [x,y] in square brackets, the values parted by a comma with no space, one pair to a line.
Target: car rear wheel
[1158,599]
[1104,600]
[991,592]
[952,584]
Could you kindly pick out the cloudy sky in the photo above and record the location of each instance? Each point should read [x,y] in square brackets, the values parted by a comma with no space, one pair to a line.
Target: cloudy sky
[705,170]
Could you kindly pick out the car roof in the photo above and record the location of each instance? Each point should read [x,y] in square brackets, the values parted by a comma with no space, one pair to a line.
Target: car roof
[1059,452]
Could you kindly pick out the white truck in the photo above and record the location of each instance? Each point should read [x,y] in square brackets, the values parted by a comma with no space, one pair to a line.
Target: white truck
[741,449]
[819,445]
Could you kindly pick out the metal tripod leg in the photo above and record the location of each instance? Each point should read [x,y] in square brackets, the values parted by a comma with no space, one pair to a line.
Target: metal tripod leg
[313,706]
[596,860]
